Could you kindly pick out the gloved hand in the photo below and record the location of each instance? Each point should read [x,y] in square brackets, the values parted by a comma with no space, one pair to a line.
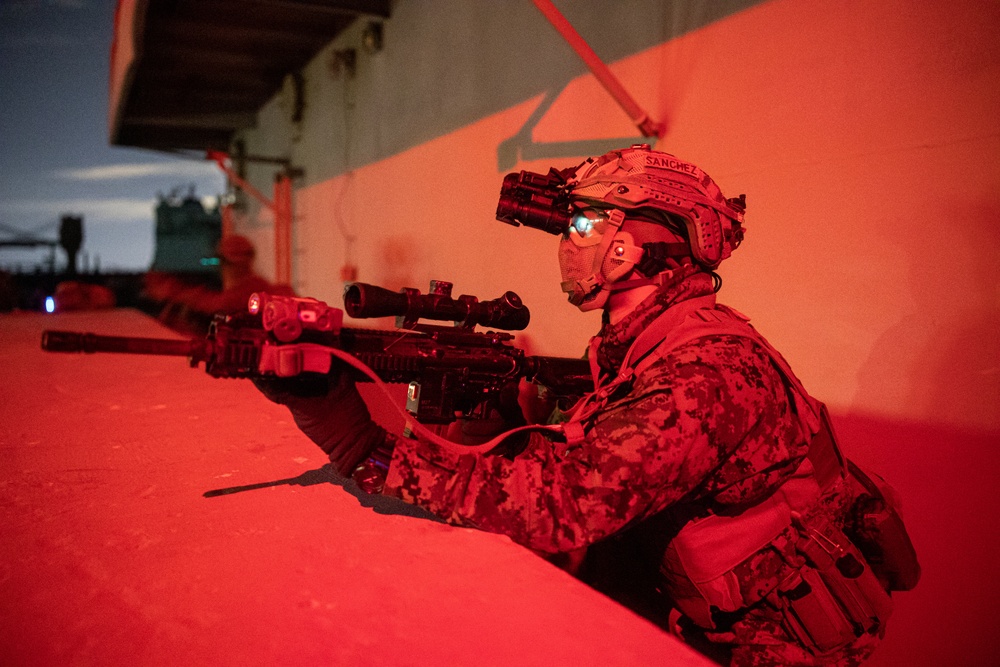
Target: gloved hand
[331,412]
[505,415]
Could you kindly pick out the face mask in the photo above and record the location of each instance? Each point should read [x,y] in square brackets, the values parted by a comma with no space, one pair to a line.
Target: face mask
[594,254]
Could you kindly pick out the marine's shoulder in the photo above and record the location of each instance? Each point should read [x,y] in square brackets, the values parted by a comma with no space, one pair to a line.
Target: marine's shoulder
[713,358]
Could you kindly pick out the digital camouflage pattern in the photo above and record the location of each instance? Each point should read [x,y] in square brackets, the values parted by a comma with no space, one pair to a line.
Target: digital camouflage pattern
[709,425]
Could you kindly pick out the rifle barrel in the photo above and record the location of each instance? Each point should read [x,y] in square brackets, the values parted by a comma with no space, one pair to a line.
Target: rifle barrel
[75,341]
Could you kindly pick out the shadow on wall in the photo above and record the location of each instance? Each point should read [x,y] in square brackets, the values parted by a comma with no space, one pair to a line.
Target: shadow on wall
[940,364]
[522,146]
[942,361]
[946,479]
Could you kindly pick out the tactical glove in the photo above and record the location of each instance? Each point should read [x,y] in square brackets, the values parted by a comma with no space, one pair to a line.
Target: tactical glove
[331,412]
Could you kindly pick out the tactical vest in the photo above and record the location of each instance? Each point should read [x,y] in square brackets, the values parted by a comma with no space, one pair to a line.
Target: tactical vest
[827,592]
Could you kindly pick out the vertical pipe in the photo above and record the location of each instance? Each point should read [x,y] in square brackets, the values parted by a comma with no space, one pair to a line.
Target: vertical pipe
[228,224]
[283,229]
[280,204]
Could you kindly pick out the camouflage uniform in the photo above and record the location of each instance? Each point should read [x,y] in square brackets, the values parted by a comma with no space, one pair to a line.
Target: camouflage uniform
[709,425]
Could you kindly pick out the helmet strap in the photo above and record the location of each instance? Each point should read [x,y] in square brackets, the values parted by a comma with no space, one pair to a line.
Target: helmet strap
[656,253]
[662,279]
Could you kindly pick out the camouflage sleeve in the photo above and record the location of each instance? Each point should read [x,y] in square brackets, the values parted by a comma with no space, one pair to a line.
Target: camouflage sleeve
[681,420]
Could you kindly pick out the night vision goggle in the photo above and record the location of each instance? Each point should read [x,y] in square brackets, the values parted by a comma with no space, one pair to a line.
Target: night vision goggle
[535,200]
[646,184]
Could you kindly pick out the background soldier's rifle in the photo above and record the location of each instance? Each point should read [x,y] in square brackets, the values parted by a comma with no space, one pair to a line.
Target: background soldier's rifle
[453,371]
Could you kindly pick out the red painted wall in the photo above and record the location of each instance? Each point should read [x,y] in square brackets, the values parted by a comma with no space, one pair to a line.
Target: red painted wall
[864,135]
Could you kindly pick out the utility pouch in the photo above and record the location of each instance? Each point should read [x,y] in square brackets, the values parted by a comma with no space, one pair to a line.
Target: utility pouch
[851,581]
[839,598]
[876,528]
[812,614]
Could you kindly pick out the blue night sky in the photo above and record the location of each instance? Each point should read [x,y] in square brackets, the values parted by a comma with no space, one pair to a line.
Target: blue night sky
[55,157]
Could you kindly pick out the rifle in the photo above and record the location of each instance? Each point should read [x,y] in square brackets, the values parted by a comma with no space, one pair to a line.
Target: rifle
[453,372]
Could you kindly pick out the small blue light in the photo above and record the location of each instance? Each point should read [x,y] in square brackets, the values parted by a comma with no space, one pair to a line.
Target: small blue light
[50,304]
[209,261]
[582,224]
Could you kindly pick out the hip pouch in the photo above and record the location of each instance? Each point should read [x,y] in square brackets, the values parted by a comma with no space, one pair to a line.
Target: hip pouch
[876,527]
[834,597]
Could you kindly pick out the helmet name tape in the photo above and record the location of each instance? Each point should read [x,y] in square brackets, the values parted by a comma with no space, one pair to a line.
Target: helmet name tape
[663,161]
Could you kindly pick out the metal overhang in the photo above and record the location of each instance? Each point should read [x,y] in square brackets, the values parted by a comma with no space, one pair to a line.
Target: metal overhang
[187,74]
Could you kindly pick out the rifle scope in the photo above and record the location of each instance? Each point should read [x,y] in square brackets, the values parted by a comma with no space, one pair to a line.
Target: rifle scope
[362,300]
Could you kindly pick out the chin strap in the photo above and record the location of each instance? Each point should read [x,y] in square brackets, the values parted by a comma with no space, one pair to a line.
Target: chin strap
[661,279]
[656,253]
[650,260]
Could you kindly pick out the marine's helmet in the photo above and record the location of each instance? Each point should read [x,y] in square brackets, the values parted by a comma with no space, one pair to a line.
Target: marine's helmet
[605,208]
